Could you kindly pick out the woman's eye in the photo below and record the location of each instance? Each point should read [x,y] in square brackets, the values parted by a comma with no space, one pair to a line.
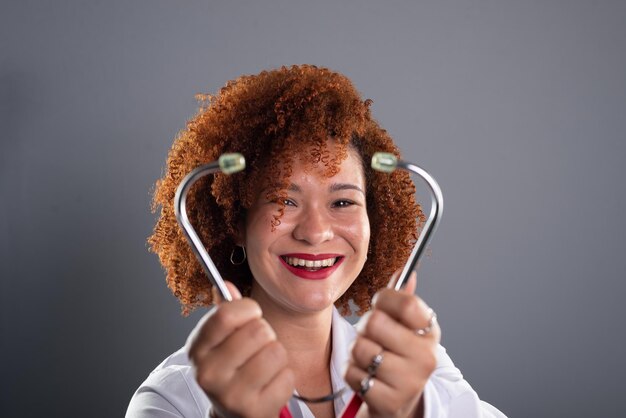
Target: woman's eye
[289,202]
[343,203]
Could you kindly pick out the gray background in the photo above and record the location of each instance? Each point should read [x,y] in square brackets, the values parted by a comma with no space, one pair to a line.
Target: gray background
[517,108]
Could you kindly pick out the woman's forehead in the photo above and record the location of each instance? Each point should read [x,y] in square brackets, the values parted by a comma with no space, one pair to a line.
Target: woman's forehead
[333,161]
[293,171]
[350,167]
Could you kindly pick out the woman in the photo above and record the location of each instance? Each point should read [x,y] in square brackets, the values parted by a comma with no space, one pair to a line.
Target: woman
[306,228]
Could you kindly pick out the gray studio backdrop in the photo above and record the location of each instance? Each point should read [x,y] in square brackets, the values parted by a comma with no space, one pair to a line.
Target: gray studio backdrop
[517,108]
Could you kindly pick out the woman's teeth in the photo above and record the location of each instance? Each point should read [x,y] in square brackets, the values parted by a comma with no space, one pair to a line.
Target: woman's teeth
[299,262]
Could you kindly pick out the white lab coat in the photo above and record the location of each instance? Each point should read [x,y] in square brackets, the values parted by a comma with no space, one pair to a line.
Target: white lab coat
[171,389]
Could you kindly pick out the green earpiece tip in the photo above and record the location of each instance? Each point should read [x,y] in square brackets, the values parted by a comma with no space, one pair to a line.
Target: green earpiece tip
[384,161]
[232,163]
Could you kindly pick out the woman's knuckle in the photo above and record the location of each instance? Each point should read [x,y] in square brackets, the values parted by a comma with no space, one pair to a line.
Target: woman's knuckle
[357,348]
[429,361]
[257,331]
[387,293]
[413,386]
[408,307]
[266,331]
[374,322]
[250,305]
[220,320]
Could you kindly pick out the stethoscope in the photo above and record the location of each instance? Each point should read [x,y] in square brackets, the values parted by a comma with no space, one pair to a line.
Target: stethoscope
[235,162]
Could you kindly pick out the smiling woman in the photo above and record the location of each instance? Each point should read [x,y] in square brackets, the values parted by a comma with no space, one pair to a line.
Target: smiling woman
[324,221]
[271,118]
[317,230]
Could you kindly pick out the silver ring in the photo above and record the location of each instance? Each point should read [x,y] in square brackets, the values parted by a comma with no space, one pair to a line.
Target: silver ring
[366,384]
[377,360]
[431,323]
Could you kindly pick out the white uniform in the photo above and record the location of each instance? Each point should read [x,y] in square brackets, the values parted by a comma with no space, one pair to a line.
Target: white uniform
[171,389]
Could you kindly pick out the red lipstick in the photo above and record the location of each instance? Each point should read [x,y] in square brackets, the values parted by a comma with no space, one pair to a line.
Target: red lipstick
[312,275]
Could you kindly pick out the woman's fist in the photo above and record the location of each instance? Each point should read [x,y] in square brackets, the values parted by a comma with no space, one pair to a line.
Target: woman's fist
[402,360]
[239,363]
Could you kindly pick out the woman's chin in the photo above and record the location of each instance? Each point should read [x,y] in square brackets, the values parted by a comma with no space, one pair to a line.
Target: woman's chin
[299,297]
[312,302]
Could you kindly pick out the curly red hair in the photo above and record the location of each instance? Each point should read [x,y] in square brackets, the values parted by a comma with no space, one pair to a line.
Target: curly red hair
[268,117]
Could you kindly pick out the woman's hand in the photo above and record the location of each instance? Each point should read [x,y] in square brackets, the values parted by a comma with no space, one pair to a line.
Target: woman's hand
[408,359]
[239,363]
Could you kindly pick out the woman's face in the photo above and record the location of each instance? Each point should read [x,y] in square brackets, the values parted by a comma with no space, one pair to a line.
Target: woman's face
[321,244]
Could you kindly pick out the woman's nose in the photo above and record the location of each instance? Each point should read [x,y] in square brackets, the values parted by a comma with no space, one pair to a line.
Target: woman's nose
[314,227]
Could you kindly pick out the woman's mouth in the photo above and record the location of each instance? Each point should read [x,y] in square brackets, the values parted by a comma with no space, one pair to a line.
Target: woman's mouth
[312,267]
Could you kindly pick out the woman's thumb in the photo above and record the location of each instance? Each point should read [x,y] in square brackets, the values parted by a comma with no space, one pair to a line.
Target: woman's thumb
[411,284]
[234,292]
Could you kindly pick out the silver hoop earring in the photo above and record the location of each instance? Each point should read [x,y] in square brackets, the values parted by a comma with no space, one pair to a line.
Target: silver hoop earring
[243,257]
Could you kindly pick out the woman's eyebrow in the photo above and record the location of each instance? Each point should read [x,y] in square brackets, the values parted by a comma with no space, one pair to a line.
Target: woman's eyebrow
[333,187]
[294,188]
[345,186]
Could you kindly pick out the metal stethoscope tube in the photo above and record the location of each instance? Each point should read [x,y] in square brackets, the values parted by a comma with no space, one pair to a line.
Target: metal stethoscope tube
[232,163]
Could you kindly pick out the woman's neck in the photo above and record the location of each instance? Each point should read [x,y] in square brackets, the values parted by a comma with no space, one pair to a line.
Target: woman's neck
[303,335]
[307,338]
